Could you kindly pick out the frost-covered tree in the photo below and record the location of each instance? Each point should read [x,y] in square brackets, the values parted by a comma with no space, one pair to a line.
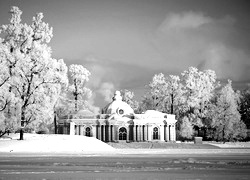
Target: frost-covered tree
[227,123]
[174,95]
[35,77]
[157,92]
[79,76]
[199,89]
[245,107]
[186,128]
[199,86]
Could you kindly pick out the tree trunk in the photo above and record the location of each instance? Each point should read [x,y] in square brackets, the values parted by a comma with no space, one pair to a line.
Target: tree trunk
[21,134]
[172,104]
[75,94]
[76,103]
[55,125]
[223,135]
[198,131]
[22,123]
[205,133]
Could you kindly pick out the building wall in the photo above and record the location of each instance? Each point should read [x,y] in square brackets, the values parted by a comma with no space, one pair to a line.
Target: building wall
[113,131]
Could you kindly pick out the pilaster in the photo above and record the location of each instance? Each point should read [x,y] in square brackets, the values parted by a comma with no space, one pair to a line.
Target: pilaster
[134,133]
[94,127]
[167,133]
[109,133]
[99,132]
[146,133]
[104,133]
[150,132]
[72,128]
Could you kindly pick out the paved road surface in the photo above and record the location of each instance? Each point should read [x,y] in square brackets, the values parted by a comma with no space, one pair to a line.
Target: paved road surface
[206,166]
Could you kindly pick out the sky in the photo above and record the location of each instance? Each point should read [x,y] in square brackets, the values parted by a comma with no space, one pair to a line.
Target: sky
[124,43]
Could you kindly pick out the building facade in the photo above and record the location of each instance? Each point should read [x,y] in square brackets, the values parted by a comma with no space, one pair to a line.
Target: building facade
[118,122]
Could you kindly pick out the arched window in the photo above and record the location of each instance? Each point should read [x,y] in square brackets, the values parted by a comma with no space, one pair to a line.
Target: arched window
[88,131]
[123,133]
[155,133]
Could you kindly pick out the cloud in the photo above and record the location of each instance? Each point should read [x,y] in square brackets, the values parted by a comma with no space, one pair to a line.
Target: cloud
[184,20]
[227,62]
[107,91]
[193,39]
[120,75]
[91,104]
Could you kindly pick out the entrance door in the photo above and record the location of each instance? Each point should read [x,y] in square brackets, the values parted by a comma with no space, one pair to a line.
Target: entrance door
[123,133]
[88,131]
[155,133]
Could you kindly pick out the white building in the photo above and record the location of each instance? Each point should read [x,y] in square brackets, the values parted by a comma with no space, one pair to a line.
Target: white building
[118,122]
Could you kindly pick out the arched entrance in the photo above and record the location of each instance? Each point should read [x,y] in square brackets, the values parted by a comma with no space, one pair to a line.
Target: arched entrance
[122,133]
[155,133]
[88,131]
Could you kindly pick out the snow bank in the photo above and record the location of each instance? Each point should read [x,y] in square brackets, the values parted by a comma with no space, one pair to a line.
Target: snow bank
[53,143]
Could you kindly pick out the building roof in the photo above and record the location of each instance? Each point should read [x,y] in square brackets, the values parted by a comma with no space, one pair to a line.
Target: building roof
[117,106]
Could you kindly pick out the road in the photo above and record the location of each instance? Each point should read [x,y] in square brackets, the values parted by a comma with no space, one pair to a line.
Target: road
[164,166]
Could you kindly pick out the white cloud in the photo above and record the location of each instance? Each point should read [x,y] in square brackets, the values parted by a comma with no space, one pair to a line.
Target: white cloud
[184,20]
[107,90]
[228,62]
[192,39]
[91,104]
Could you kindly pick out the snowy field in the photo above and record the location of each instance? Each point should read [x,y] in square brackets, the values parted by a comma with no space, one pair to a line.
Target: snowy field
[52,143]
[66,144]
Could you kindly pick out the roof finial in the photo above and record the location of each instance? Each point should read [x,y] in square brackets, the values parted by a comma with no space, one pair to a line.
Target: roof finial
[117,96]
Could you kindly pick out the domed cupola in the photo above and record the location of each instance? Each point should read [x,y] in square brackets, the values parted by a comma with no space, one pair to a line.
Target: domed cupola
[118,106]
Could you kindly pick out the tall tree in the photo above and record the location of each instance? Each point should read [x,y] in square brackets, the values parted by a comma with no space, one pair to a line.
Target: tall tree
[186,128]
[227,123]
[35,74]
[157,92]
[245,107]
[79,76]
[174,94]
[199,89]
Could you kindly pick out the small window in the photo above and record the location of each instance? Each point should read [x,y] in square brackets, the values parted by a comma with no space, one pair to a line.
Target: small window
[120,111]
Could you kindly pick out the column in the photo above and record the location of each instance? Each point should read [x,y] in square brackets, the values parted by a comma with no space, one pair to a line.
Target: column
[83,130]
[113,133]
[104,133]
[139,133]
[72,128]
[80,129]
[99,132]
[94,127]
[143,132]
[150,133]
[109,133]
[162,132]
[171,133]
[134,133]
[127,134]
[167,132]
[77,129]
[146,133]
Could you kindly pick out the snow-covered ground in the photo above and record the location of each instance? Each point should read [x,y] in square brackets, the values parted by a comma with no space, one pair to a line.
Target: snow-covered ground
[230,144]
[53,143]
[65,144]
